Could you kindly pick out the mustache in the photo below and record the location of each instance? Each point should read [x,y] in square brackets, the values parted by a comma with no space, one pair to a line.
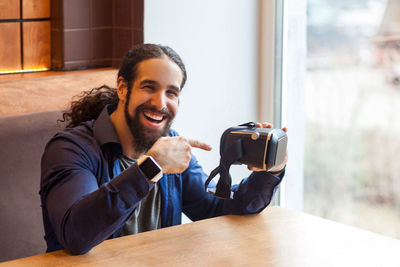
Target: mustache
[164,111]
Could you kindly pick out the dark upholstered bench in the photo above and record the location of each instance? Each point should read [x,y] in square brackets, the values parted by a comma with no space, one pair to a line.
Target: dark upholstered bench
[22,141]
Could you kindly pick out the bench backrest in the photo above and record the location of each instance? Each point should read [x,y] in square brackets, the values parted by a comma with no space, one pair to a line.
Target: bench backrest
[22,142]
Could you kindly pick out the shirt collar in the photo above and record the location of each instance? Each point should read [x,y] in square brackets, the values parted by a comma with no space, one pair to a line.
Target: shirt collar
[103,128]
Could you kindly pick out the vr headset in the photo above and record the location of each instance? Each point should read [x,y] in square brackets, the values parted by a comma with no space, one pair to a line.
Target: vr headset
[263,148]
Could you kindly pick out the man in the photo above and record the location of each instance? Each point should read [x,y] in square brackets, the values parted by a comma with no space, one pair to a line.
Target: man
[119,169]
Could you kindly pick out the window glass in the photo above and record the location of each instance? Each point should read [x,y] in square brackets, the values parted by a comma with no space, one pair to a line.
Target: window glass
[352,98]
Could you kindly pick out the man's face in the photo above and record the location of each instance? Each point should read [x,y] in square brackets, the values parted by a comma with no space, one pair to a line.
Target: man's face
[153,102]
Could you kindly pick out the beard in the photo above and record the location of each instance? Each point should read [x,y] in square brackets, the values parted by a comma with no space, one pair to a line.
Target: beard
[143,137]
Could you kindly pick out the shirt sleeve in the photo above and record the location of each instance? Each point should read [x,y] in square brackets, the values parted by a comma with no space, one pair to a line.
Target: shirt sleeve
[82,214]
[252,195]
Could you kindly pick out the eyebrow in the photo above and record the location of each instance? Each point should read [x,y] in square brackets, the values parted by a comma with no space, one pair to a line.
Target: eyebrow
[147,81]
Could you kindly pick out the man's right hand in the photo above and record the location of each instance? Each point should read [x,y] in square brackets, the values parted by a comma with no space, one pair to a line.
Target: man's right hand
[173,154]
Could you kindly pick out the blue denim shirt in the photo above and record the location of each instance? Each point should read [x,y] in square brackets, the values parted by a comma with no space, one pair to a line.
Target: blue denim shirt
[83,204]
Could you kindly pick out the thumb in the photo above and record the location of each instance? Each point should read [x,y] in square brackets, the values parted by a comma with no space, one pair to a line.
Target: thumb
[199,144]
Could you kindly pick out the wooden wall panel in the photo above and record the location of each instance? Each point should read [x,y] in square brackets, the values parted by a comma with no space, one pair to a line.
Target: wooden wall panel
[36,42]
[10,45]
[9,9]
[32,9]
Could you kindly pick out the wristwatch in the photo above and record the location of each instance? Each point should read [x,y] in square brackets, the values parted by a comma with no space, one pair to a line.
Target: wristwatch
[150,168]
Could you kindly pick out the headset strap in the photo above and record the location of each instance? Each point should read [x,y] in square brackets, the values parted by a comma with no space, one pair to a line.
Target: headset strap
[230,156]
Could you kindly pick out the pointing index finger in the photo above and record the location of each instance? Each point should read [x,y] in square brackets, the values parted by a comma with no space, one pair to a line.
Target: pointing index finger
[199,144]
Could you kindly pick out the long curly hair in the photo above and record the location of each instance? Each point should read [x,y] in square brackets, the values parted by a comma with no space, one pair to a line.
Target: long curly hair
[89,105]
[92,102]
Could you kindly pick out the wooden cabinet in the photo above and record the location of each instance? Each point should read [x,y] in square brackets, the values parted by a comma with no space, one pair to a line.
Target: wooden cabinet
[36,44]
[24,35]
[32,9]
[9,9]
[10,46]
[67,34]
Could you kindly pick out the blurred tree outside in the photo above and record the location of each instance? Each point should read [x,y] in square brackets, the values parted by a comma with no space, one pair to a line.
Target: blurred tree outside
[352,141]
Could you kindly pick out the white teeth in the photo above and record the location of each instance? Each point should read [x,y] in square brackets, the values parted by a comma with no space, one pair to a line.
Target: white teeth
[153,116]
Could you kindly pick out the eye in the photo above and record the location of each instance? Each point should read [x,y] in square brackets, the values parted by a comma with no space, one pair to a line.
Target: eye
[173,93]
[148,87]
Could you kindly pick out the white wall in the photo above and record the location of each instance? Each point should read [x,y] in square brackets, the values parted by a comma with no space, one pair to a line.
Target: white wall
[217,40]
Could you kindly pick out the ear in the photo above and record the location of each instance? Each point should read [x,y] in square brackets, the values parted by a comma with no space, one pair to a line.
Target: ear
[122,89]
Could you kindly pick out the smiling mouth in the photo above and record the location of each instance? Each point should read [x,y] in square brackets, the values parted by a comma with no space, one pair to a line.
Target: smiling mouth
[154,117]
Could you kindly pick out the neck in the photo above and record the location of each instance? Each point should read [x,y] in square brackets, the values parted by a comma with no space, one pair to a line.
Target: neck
[124,133]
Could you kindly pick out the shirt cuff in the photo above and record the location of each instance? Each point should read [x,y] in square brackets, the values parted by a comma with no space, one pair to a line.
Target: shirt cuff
[278,173]
[131,184]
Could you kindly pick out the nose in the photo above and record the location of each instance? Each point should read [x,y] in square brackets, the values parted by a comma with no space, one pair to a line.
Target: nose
[159,100]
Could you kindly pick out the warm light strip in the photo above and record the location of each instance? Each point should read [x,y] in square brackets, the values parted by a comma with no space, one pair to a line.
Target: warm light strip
[22,71]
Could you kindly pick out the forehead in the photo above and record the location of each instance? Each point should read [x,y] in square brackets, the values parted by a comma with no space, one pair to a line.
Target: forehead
[161,70]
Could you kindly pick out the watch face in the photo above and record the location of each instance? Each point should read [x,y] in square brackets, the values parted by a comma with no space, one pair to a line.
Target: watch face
[149,168]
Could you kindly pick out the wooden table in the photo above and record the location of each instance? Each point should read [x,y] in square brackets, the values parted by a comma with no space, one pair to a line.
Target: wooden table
[276,237]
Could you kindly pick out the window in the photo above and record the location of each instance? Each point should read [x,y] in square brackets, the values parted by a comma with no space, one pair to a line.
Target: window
[352,107]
